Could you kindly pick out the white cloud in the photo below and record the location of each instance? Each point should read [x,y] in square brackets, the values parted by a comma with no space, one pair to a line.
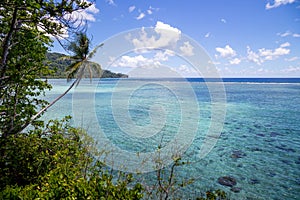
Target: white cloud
[83,15]
[262,70]
[183,68]
[287,33]
[225,52]
[131,9]
[141,16]
[186,70]
[187,49]
[79,18]
[224,21]
[153,9]
[161,25]
[141,61]
[167,36]
[207,35]
[163,55]
[268,54]
[235,61]
[111,2]
[291,69]
[292,59]
[286,44]
[213,62]
[135,62]
[253,57]
[63,30]
[279,3]
[296,35]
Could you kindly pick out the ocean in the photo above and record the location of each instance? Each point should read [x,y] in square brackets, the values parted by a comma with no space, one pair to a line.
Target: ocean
[245,128]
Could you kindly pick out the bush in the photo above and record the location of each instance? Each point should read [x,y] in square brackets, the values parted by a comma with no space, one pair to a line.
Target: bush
[58,163]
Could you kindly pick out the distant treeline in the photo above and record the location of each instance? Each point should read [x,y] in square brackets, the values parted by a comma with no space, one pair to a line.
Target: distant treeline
[59,66]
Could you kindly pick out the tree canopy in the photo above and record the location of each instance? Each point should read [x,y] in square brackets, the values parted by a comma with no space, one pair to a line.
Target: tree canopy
[25,30]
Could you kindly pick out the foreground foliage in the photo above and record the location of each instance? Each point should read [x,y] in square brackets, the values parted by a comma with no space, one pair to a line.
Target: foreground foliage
[25,26]
[58,163]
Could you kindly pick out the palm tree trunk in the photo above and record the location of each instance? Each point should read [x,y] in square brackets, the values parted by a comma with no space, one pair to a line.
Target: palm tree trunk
[48,106]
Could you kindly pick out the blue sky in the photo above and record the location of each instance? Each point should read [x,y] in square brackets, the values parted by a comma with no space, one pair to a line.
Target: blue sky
[243,38]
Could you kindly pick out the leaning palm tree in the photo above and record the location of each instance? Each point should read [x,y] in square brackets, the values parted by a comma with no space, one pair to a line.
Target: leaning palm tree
[80,49]
[81,55]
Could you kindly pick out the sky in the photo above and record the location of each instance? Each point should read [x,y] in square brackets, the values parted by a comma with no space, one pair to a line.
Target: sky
[242,38]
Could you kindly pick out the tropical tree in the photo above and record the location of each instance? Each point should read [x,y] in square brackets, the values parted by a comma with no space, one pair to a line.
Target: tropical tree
[49,17]
[25,29]
[81,55]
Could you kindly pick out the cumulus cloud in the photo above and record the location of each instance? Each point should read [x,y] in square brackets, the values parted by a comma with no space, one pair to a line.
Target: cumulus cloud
[267,54]
[235,61]
[226,52]
[186,70]
[141,16]
[278,3]
[163,55]
[167,36]
[141,61]
[135,62]
[187,49]
[253,57]
[131,9]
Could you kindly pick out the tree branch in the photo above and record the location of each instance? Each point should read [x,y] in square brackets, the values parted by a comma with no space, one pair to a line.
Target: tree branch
[6,43]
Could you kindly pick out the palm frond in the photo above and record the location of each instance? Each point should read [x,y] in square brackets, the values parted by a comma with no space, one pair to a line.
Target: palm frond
[72,70]
[73,66]
[95,50]
[80,48]
[65,58]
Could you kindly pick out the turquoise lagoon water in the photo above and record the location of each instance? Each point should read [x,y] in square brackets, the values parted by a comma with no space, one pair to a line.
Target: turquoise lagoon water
[259,144]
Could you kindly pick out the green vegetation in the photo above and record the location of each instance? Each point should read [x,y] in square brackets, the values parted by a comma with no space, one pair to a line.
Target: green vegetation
[59,65]
[58,163]
[54,160]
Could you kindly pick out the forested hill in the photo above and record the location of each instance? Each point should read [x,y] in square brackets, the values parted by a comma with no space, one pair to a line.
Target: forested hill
[59,65]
